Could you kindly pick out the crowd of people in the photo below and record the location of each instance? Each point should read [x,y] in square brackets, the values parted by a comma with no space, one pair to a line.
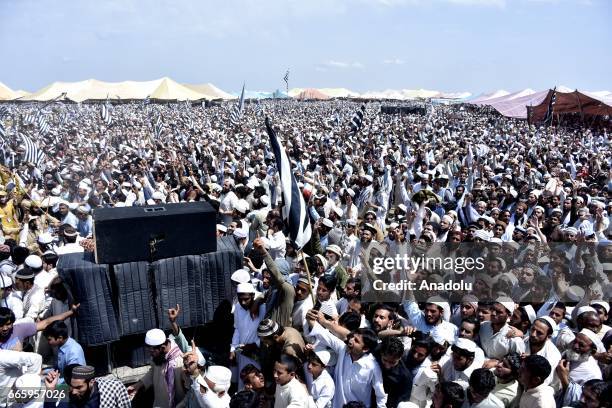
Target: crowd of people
[323,325]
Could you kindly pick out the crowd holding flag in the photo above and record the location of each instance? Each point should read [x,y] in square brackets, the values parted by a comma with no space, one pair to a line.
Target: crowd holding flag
[32,153]
[105,113]
[551,106]
[294,208]
[286,79]
[357,120]
[236,114]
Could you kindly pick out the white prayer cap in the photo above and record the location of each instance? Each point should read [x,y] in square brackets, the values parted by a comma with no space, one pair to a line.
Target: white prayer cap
[584,309]
[29,380]
[242,206]
[245,288]
[155,337]
[350,192]
[45,238]
[482,234]
[466,344]
[403,207]
[221,376]
[324,356]
[265,200]
[327,222]
[221,227]
[550,321]
[241,276]
[338,211]
[531,314]
[507,303]
[443,303]
[368,177]
[33,261]
[240,233]
[601,303]
[595,339]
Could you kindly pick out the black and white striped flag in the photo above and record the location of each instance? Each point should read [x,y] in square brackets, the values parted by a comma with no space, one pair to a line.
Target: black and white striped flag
[357,120]
[158,127]
[236,114]
[286,78]
[43,125]
[551,107]
[2,131]
[4,111]
[105,114]
[294,208]
[32,153]
[29,119]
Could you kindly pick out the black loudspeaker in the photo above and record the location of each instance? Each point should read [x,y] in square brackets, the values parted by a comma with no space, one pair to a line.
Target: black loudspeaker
[130,234]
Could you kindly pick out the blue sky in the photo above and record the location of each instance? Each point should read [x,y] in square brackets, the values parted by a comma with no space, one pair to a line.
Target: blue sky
[447,45]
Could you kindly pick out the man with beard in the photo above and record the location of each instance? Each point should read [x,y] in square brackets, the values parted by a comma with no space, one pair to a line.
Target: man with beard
[434,319]
[507,372]
[303,303]
[540,342]
[355,263]
[229,200]
[494,333]
[245,342]
[397,378]
[579,366]
[383,318]
[419,364]
[461,364]
[479,393]
[88,391]
[166,374]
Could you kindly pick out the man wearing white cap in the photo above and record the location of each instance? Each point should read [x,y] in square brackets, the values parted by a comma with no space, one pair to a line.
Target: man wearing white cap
[322,388]
[494,333]
[461,364]
[435,317]
[602,308]
[245,341]
[579,366]
[8,297]
[166,374]
[211,389]
[540,343]
[275,241]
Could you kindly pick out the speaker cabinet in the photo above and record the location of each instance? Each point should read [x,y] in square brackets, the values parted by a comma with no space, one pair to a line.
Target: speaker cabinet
[130,234]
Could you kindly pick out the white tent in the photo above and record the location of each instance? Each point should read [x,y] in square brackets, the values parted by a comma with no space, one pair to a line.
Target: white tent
[7,93]
[163,88]
[210,90]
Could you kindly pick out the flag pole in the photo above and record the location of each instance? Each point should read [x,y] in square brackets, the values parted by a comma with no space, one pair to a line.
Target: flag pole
[309,278]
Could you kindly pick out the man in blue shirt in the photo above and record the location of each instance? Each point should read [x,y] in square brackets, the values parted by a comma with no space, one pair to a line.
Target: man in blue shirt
[69,351]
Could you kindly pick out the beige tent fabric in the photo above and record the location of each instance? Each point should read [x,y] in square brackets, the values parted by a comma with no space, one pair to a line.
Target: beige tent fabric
[210,90]
[7,93]
[91,89]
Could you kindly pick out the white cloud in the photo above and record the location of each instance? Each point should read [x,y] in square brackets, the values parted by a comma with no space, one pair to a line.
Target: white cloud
[394,61]
[343,65]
